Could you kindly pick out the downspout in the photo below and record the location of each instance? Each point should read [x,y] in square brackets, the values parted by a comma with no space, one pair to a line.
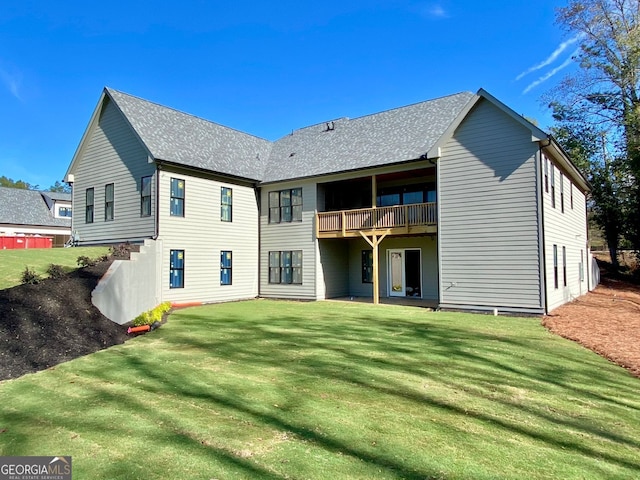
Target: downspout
[258,194]
[157,222]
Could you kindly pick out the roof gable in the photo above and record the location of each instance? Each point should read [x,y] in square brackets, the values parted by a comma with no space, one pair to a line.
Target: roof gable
[180,138]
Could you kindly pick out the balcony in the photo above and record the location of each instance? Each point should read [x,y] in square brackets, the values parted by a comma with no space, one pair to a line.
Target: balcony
[419,218]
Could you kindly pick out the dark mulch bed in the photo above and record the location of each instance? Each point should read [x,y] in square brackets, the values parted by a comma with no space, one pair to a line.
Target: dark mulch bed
[53,321]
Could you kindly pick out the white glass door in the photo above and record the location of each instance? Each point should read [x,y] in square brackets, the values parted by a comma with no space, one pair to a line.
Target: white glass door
[396,273]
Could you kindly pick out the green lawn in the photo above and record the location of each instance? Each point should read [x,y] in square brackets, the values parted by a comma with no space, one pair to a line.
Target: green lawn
[267,389]
[13,262]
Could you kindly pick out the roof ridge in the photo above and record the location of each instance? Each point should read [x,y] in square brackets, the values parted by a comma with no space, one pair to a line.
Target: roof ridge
[412,104]
[349,119]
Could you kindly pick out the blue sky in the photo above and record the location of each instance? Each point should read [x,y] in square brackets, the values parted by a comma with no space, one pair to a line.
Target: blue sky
[265,68]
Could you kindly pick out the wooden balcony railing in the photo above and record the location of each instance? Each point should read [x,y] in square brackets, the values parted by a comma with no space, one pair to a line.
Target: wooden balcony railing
[346,222]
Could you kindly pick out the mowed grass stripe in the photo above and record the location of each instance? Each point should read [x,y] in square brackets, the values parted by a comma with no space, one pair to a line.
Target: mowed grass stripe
[271,389]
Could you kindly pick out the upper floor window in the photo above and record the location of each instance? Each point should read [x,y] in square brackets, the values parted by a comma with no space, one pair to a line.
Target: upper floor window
[571,194]
[108,201]
[285,206]
[226,203]
[546,174]
[225,267]
[145,196]
[562,192]
[88,202]
[553,187]
[177,197]
[176,269]
[64,211]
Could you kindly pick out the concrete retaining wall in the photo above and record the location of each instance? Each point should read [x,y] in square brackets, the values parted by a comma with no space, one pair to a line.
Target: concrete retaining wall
[130,287]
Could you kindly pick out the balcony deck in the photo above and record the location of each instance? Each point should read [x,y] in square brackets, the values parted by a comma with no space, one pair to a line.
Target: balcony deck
[419,218]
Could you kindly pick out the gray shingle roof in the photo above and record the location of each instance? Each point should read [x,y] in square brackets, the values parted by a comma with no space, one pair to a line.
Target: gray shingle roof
[388,137]
[177,137]
[383,138]
[27,207]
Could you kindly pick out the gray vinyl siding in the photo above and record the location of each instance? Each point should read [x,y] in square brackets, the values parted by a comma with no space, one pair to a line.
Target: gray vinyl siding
[569,230]
[112,154]
[429,265]
[341,261]
[489,227]
[333,268]
[290,236]
[203,235]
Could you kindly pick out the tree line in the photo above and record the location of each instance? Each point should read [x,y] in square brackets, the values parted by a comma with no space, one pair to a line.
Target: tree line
[56,187]
[597,112]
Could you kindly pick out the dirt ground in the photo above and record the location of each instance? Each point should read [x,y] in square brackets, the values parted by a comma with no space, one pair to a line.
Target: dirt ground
[606,321]
[54,321]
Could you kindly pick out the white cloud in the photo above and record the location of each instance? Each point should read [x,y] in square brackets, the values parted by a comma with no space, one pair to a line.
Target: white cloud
[549,60]
[550,74]
[12,82]
[434,10]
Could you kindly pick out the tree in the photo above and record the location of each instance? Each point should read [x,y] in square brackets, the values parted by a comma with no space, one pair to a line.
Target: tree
[586,146]
[8,182]
[60,187]
[605,93]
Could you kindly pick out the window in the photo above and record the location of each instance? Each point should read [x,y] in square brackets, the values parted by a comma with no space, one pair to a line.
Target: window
[367,266]
[64,211]
[555,266]
[88,213]
[564,266]
[226,201]
[581,265]
[546,174]
[285,267]
[553,187]
[285,206]
[108,201]
[571,194]
[562,192]
[176,269]
[225,267]
[145,197]
[177,197]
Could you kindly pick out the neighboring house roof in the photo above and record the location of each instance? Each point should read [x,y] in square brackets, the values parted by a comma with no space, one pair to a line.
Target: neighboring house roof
[58,196]
[177,137]
[28,207]
[388,137]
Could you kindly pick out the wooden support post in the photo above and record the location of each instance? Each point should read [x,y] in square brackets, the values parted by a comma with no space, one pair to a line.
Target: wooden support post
[344,226]
[376,280]
[375,242]
[374,191]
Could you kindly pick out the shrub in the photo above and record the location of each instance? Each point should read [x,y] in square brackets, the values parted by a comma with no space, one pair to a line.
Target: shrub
[151,316]
[55,271]
[84,261]
[122,250]
[30,276]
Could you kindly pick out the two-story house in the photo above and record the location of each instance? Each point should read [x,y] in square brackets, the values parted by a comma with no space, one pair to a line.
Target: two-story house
[458,202]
